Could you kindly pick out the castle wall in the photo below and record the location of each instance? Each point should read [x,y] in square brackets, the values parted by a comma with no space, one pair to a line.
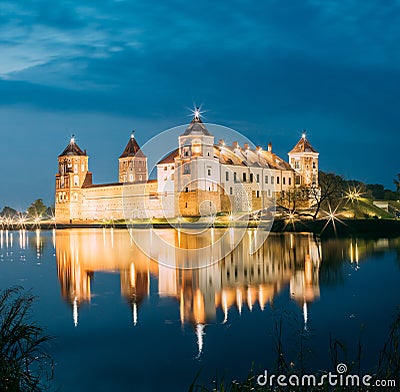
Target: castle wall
[115,202]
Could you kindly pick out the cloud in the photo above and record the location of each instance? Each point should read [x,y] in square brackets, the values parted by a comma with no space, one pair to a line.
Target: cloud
[42,33]
[267,69]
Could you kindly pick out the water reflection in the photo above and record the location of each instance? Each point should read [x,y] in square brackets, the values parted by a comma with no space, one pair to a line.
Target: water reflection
[240,279]
[25,239]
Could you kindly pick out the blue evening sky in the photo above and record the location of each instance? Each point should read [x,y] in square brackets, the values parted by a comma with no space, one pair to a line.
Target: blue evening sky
[268,69]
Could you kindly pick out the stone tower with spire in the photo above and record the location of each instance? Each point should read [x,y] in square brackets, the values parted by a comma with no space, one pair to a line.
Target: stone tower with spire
[303,158]
[73,173]
[197,173]
[132,163]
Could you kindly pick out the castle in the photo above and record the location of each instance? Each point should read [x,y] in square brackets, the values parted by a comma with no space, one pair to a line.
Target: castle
[200,177]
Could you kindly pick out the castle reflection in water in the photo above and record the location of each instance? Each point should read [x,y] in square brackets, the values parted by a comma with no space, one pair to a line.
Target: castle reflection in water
[240,279]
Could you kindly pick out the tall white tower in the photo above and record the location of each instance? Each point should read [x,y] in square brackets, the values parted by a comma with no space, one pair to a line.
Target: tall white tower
[197,174]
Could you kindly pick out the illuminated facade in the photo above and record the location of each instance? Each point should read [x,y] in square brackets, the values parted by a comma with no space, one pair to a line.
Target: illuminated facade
[199,178]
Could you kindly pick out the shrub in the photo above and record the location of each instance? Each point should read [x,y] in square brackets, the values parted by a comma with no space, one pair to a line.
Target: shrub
[24,363]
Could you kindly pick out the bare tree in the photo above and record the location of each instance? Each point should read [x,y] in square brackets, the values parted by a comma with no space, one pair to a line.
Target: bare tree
[329,191]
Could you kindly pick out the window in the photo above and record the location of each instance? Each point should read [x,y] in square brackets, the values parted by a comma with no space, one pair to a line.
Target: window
[258,178]
[209,171]
[196,147]
[266,179]
[297,180]
[83,167]
[284,180]
[297,165]
[244,177]
[165,167]
[130,177]
[76,168]
[76,181]
[258,194]
[186,205]
[314,165]
[277,180]
[186,169]
[227,176]
[235,177]
[290,181]
[272,179]
[230,191]
[186,190]
[251,177]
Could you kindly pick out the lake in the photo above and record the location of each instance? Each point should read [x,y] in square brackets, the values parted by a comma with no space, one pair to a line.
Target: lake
[127,321]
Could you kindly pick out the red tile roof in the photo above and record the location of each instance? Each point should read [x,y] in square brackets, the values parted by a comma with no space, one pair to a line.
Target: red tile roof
[303,145]
[132,149]
[72,150]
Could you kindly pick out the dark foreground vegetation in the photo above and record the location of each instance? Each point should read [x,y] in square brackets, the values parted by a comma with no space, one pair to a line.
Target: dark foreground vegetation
[387,369]
[24,362]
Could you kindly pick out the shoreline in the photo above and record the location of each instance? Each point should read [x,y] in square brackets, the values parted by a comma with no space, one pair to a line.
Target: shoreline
[321,227]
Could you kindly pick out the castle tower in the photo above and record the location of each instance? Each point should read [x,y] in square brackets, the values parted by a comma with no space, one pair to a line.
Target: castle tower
[197,174]
[304,160]
[72,175]
[132,163]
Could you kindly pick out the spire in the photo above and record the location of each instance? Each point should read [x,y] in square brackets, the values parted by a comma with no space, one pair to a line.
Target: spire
[196,114]
[132,149]
[196,126]
[303,145]
[72,149]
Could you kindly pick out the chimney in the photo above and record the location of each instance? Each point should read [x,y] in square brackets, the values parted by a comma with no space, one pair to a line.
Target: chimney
[269,147]
[246,146]
[235,145]
[221,142]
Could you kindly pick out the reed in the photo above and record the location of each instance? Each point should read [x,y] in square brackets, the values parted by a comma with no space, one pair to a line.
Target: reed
[25,364]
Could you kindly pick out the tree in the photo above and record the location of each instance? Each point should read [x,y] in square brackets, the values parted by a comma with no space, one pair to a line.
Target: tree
[329,192]
[8,212]
[293,199]
[397,183]
[50,210]
[377,191]
[24,363]
[37,208]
